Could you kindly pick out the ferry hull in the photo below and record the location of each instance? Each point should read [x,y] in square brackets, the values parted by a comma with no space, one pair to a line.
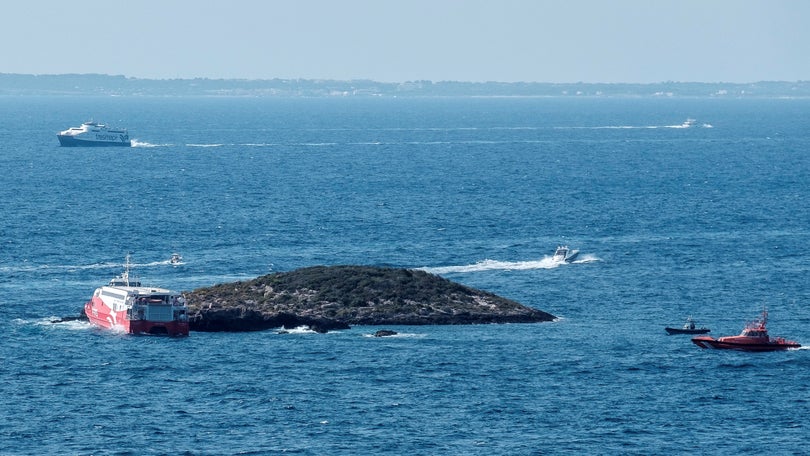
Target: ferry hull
[102,316]
[72,141]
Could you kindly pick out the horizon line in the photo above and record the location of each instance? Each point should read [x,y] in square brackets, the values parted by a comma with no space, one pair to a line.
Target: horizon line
[396,82]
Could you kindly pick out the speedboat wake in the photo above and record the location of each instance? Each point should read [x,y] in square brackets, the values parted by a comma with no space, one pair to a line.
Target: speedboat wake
[494,265]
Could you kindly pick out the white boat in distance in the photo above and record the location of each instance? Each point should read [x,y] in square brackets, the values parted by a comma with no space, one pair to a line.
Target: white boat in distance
[94,134]
[564,255]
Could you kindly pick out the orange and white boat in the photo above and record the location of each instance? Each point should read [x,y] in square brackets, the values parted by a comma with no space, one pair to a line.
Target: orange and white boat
[127,306]
[754,337]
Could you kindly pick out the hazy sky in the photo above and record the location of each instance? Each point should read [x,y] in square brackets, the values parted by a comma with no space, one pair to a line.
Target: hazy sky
[394,41]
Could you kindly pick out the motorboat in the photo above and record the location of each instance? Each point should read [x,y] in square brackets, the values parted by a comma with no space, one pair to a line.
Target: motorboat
[91,134]
[754,337]
[176,258]
[127,306]
[688,328]
[564,255]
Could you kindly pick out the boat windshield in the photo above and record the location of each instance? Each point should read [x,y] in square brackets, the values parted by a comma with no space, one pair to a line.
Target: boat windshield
[124,282]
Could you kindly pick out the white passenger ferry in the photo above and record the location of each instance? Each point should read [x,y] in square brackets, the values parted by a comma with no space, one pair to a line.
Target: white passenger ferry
[94,134]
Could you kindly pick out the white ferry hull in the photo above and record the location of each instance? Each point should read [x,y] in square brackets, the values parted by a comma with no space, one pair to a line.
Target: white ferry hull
[72,141]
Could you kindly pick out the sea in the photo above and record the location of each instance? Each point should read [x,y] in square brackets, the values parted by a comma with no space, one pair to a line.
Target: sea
[678,206]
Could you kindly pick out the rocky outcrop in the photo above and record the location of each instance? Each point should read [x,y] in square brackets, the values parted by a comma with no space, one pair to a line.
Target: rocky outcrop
[242,319]
[334,297]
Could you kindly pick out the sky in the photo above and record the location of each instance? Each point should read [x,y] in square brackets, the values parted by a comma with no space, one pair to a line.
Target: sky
[609,41]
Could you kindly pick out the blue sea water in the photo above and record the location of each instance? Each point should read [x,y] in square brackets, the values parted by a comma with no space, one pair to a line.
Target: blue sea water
[709,220]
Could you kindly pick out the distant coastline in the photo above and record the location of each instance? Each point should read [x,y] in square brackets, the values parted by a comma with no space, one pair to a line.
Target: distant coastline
[115,85]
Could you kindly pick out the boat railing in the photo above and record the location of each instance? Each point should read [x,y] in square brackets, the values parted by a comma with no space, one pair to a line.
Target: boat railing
[136,312]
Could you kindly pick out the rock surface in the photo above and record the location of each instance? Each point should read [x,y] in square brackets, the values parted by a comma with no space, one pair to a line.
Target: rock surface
[333,297]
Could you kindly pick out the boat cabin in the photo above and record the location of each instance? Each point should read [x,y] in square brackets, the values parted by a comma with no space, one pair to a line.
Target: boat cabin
[123,282]
[755,332]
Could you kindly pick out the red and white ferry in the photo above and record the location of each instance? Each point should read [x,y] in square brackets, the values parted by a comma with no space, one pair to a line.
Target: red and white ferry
[754,337]
[127,306]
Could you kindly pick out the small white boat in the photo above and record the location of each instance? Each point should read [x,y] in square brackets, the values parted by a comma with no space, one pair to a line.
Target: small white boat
[176,258]
[688,328]
[564,255]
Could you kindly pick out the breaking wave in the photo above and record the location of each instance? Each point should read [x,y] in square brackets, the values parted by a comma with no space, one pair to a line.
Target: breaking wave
[688,123]
[296,330]
[75,267]
[55,323]
[398,335]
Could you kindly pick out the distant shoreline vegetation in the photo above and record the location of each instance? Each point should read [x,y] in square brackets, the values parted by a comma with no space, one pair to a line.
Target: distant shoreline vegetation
[110,85]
